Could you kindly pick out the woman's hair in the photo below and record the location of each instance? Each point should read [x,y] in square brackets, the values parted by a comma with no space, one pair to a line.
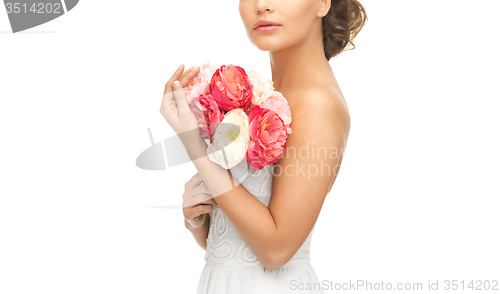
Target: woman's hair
[341,25]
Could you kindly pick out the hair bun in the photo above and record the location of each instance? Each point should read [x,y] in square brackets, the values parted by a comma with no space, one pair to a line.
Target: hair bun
[341,25]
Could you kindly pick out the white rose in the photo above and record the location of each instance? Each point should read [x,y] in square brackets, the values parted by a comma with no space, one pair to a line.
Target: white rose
[226,136]
[262,88]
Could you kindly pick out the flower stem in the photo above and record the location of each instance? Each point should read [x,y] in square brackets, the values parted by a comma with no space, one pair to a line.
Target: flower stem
[201,217]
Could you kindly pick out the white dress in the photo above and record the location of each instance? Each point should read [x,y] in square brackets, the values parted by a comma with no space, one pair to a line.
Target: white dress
[232,268]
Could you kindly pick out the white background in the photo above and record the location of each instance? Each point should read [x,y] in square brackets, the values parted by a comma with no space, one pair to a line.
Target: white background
[416,198]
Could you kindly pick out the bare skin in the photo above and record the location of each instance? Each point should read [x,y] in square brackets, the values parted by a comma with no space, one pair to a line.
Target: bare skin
[196,198]
[319,116]
[296,48]
[196,201]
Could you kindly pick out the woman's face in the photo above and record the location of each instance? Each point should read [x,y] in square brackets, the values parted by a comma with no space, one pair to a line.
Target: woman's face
[295,17]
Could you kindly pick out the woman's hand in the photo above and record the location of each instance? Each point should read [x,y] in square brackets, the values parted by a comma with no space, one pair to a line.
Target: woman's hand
[196,200]
[174,106]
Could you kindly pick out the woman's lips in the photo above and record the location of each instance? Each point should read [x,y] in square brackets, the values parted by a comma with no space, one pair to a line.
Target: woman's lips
[266,28]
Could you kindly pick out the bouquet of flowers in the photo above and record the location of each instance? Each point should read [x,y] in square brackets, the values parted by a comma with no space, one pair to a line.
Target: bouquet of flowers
[241,113]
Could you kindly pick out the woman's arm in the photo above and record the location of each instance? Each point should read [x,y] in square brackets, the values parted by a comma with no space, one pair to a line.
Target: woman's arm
[300,183]
[200,234]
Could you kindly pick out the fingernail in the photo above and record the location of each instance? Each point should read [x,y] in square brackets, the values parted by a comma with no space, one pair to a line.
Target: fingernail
[177,85]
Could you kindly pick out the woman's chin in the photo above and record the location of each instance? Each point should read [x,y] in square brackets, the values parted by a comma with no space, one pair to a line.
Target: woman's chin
[267,45]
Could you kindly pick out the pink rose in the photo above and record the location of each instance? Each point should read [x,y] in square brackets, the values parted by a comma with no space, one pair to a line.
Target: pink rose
[231,88]
[198,85]
[277,103]
[207,112]
[268,136]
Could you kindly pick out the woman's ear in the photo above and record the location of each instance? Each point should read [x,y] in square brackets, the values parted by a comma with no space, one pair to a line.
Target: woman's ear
[324,7]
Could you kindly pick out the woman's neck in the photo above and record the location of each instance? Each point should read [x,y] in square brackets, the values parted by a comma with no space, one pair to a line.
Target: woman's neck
[301,65]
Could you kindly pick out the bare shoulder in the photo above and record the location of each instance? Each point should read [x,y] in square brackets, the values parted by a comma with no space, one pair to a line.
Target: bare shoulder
[321,105]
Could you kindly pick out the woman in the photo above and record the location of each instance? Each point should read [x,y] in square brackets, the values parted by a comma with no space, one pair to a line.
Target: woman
[258,233]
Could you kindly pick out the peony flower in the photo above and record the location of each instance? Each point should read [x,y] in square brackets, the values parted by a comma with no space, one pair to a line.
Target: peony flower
[232,136]
[207,112]
[277,103]
[262,88]
[268,137]
[198,85]
[231,88]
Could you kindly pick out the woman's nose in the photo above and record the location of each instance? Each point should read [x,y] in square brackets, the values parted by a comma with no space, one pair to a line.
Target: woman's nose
[264,5]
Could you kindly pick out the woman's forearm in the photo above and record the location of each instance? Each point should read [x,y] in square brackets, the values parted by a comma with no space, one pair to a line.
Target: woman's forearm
[250,217]
[200,234]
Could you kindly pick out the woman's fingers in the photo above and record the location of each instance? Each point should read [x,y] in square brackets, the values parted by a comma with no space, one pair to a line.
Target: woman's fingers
[196,200]
[191,213]
[180,98]
[195,196]
[168,106]
[194,181]
[185,79]
[210,201]
[202,209]
[188,75]
[178,87]
[174,100]
[196,192]
[175,76]
[174,106]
